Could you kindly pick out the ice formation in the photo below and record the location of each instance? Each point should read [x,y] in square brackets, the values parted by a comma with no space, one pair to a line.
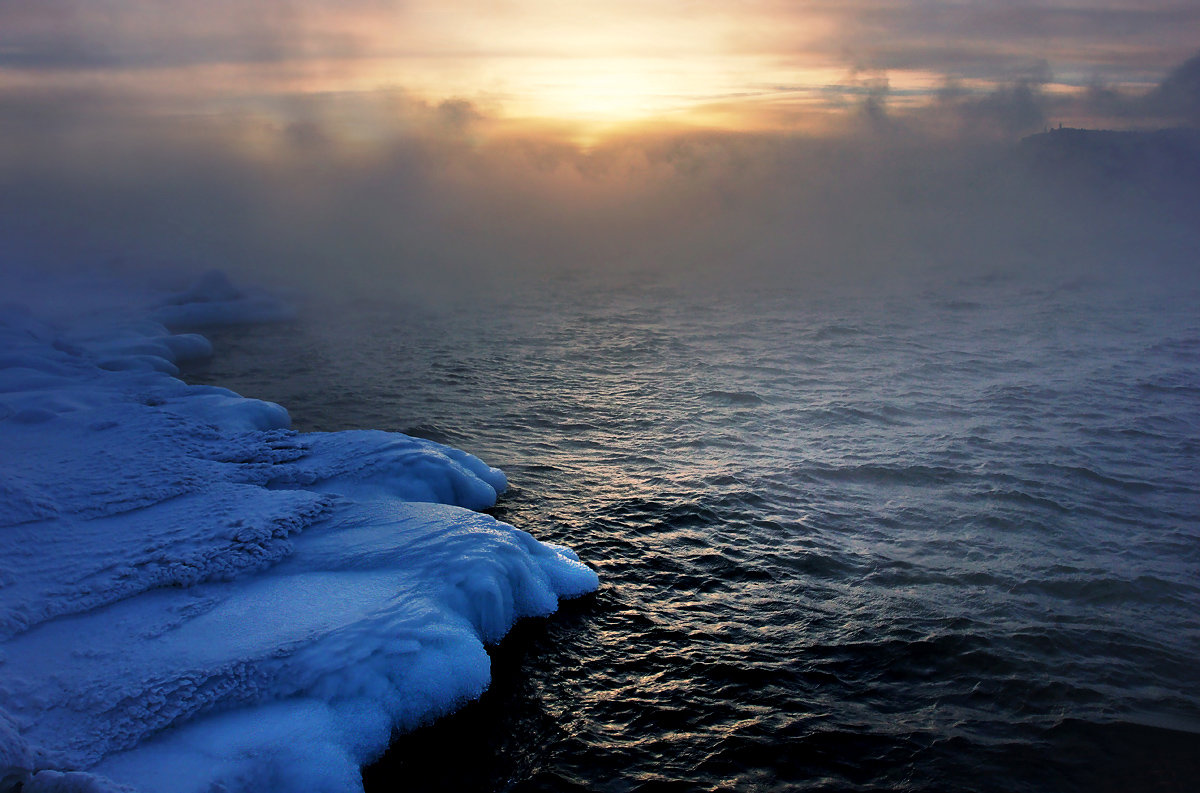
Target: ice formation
[195,597]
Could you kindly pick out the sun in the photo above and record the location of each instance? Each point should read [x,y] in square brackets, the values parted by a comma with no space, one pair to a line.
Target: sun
[611,90]
[601,90]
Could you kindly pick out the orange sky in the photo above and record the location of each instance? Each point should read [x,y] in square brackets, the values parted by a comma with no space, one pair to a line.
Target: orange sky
[589,65]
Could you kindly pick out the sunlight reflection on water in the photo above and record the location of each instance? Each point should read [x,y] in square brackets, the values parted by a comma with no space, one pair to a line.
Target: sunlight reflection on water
[945,542]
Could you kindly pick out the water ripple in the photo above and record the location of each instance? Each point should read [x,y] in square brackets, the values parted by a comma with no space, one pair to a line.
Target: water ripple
[844,544]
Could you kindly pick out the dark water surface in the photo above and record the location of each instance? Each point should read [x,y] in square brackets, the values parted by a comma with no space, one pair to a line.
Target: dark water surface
[946,541]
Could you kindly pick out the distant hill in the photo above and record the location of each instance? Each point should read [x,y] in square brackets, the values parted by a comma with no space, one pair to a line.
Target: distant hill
[1159,166]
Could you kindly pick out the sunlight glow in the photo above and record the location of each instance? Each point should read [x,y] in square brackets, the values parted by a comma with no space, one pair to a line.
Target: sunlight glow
[590,66]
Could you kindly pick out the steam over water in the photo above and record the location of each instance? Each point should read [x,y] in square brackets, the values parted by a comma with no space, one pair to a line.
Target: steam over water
[949,541]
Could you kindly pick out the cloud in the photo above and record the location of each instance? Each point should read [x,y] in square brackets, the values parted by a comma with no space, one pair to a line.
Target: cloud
[1177,97]
[987,40]
[1007,111]
[437,205]
[225,54]
[1172,101]
[69,35]
[377,191]
[1031,102]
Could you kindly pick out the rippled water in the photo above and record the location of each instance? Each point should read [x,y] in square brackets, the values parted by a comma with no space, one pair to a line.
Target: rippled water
[945,541]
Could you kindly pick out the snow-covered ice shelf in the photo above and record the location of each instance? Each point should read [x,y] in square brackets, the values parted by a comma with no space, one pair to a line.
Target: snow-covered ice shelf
[195,597]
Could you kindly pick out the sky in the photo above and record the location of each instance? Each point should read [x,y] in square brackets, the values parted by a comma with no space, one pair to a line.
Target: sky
[405,138]
[592,66]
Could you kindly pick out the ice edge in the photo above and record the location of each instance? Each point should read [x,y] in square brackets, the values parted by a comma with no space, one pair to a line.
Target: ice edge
[193,596]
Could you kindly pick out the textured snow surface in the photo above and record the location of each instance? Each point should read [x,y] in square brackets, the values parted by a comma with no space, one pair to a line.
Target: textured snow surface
[195,597]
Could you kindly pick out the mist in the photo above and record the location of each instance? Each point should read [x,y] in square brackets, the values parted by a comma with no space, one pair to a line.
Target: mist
[380,193]
[843,357]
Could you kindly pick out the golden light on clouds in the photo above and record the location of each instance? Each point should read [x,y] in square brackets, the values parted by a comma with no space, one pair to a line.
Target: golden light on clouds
[586,65]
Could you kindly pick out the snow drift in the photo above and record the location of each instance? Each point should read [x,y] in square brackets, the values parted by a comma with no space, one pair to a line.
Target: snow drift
[195,597]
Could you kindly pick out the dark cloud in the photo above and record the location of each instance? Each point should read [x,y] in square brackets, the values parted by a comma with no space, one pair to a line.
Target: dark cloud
[1028,104]
[1178,96]
[989,40]
[55,35]
[67,53]
[1174,101]
[1019,21]
[1006,112]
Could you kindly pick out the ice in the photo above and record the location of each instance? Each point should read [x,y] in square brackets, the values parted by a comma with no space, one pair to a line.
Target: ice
[194,597]
[213,300]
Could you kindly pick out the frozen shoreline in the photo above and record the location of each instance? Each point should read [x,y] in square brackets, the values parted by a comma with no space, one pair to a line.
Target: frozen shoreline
[192,594]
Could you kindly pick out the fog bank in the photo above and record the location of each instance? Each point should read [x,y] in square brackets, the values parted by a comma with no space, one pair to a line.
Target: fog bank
[384,194]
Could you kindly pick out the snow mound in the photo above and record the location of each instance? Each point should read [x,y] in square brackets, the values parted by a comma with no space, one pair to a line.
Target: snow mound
[195,597]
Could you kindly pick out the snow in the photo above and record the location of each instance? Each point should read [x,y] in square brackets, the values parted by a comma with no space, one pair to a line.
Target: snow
[195,597]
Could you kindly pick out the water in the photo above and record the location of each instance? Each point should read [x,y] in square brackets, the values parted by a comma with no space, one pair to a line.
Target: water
[948,540]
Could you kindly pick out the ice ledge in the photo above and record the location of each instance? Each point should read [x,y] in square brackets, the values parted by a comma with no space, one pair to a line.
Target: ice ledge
[193,596]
